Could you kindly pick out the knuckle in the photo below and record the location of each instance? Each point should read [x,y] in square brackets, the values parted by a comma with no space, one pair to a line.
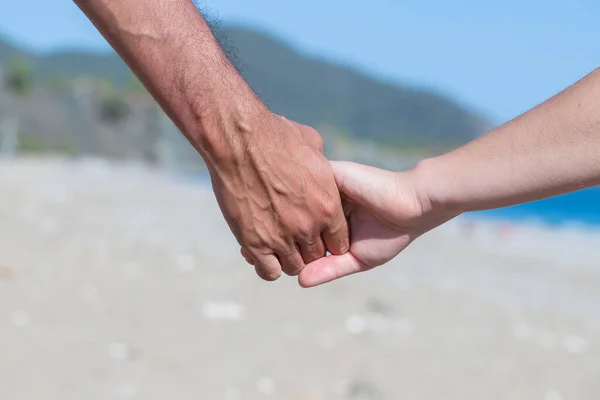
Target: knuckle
[269,275]
[286,252]
[339,248]
[314,256]
[252,241]
[259,239]
[313,253]
[312,243]
[345,247]
[317,140]
[282,247]
[306,229]
[294,268]
[234,219]
[330,208]
[320,144]
[338,231]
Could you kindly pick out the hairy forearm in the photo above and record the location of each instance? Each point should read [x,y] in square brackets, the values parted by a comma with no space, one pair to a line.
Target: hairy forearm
[550,150]
[171,49]
[274,186]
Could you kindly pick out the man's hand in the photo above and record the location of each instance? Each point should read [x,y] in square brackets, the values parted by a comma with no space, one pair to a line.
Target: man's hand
[273,184]
[386,212]
[278,194]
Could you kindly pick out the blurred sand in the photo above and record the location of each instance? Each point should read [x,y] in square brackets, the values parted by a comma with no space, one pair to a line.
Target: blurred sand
[117,282]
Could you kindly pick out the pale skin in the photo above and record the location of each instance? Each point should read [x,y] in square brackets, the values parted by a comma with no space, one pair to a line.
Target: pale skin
[551,150]
[274,186]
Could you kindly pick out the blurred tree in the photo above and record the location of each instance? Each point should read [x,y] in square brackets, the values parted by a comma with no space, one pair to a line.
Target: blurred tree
[56,83]
[19,78]
[18,81]
[30,144]
[67,147]
[113,109]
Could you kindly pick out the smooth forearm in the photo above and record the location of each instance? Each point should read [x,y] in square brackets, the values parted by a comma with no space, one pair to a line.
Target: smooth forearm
[550,150]
[171,49]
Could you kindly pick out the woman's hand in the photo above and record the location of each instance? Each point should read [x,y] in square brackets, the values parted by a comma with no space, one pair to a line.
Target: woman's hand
[386,211]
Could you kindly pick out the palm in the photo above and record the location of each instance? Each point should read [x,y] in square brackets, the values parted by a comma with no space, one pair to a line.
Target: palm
[374,242]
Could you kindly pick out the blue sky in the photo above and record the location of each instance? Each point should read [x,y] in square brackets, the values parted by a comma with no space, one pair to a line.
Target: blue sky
[497,57]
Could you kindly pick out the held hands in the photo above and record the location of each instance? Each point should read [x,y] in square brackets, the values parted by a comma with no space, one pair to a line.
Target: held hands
[278,194]
[386,211]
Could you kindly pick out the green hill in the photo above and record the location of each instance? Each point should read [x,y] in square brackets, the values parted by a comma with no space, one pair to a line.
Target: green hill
[309,90]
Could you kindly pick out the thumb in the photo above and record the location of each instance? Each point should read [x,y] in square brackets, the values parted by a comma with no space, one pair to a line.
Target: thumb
[362,184]
[330,268]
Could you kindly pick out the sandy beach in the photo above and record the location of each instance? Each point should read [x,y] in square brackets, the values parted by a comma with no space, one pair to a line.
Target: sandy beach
[121,282]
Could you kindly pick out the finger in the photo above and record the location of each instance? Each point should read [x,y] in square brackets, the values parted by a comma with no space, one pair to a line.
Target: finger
[267,267]
[348,206]
[330,268]
[291,263]
[336,235]
[311,249]
[356,182]
[247,256]
[313,138]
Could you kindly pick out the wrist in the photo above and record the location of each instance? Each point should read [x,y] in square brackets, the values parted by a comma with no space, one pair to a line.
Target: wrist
[225,127]
[432,182]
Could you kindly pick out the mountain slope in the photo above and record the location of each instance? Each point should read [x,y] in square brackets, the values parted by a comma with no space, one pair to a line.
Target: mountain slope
[316,92]
[312,91]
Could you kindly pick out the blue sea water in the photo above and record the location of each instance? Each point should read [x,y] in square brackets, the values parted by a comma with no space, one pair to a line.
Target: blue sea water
[581,207]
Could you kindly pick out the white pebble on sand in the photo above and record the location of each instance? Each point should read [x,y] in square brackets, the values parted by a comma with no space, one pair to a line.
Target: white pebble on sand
[20,319]
[155,238]
[575,344]
[128,391]
[405,326]
[89,294]
[225,310]
[101,246]
[342,386]
[185,263]
[326,339]
[522,331]
[553,395]
[131,270]
[502,365]
[448,284]
[7,273]
[356,325]
[546,339]
[49,225]
[232,394]
[96,168]
[378,323]
[29,213]
[57,194]
[402,284]
[265,385]
[292,331]
[118,351]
